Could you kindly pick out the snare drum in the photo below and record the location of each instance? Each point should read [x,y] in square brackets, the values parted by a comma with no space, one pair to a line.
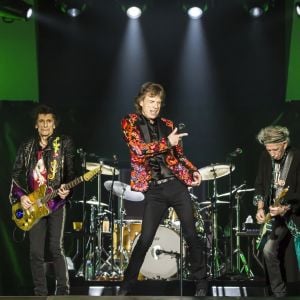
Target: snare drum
[161,260]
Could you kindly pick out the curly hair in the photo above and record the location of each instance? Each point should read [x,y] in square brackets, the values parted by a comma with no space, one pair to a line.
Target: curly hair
[43,109]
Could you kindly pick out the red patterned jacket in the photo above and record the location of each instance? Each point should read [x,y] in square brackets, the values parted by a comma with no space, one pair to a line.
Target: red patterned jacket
[137,137]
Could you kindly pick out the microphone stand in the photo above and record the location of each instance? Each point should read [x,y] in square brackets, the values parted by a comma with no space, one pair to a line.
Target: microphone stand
[181,127]
[230,214]
[84,231]
[112,219]
[181,261]
[231,207]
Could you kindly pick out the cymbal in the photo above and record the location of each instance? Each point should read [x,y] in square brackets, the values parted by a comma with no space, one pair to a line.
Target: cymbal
[215,171]
[124,190]
[105,169]
[93,202]
[217,202]
[236,190]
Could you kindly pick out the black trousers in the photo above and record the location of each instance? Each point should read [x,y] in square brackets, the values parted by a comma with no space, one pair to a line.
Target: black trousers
[53,226]
[158,199]
[273,256]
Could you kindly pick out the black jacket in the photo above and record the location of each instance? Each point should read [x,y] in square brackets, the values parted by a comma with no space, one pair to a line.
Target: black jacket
[60,148]
[264,177]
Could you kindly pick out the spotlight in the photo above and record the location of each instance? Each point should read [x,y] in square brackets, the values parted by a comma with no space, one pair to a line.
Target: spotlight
[133,8]
[297,6]
[257,8]
[72,8]
[195,8]
[134,12]
[15,9]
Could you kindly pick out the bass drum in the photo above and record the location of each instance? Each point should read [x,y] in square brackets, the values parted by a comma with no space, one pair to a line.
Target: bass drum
[162,258]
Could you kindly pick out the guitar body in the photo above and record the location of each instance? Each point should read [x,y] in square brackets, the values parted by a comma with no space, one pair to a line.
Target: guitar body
[267,226]
[263,236]
[26,218]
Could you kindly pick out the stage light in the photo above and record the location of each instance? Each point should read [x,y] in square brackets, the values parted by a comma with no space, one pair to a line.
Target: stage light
[134,12]
[297,7]
[195,12]
[133,8]
[15,9]
[195,8]
[257,8]
[72,8]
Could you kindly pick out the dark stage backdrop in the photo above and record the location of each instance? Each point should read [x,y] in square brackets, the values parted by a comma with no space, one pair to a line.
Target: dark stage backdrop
[225,78]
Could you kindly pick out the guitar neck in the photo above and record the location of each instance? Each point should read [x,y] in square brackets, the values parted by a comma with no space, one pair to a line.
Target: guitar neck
[268,218]
[277,203]
[68,186]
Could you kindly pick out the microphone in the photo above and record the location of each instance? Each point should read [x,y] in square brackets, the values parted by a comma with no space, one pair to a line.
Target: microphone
[180,127]
[116,159]
[80,152]
[159,251]
[236,152]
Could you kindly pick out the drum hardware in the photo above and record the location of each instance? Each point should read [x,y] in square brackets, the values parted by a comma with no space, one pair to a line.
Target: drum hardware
[92,248]
[240,257]
[213,172]
[123,191]
[87,268]
[209,203]
[105,169]
[93,201]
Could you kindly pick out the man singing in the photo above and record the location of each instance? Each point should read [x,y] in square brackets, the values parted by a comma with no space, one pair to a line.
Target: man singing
[161,171]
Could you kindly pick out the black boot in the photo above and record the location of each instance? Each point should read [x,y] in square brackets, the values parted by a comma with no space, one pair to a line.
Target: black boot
[201,288]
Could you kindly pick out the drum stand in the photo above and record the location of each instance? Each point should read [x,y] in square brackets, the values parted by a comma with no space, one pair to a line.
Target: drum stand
[88,266]
[215,258]
[121,237]
[240,257]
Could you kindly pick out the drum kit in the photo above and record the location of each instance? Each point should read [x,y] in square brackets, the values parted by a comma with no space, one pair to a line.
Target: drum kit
[111,238]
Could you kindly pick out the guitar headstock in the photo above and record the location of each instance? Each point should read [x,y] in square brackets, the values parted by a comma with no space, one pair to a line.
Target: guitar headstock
[91,174]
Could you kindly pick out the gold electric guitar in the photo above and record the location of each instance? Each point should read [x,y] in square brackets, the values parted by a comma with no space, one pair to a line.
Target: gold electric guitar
[267,226]
[25,219]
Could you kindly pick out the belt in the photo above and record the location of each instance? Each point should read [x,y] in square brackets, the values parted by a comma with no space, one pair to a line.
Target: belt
[161,181]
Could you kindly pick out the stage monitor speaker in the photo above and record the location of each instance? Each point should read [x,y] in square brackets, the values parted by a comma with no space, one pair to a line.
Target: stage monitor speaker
[238,291]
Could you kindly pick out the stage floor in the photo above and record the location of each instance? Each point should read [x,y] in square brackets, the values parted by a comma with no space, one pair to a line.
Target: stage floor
[162,290]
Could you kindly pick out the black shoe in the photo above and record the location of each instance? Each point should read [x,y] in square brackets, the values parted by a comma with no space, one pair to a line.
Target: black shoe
[122,291]
[201,288]
[126,288]
[279,295]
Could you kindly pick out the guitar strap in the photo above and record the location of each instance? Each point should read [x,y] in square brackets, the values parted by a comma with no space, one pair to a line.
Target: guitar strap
[284,173]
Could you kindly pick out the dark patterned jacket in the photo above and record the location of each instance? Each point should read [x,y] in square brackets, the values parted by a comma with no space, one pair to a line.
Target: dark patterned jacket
[137,137]
[59,161]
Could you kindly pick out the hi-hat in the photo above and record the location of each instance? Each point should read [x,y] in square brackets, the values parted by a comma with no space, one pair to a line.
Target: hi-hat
[215,171]
[217,202]
[124,190]
[93,202]
[105,169]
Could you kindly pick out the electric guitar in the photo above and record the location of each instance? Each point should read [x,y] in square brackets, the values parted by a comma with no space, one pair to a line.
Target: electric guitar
[267,226]
[25,219]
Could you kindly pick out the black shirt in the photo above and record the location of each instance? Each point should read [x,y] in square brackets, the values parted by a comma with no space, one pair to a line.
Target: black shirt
[157,163]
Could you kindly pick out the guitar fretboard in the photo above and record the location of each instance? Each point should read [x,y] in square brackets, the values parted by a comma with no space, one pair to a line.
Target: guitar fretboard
[68,186]
[87,176]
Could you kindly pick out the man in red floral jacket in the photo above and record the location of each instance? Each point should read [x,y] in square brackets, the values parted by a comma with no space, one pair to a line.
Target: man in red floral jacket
[160,170]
